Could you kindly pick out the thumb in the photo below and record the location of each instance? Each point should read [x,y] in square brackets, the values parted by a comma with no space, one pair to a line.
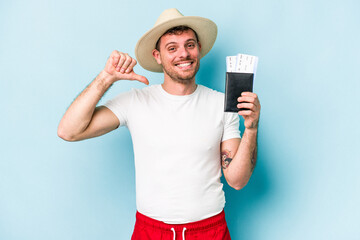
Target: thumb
[140,78]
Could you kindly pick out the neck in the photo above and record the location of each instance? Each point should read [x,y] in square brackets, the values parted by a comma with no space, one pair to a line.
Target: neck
[179,88]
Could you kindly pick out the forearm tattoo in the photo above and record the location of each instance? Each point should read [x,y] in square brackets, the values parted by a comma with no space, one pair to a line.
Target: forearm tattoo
[226,158]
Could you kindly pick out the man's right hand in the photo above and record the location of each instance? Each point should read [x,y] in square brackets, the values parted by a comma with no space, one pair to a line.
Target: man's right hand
[120,67]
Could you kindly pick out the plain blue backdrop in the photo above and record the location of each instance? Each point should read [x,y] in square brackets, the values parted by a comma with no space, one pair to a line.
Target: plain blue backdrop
[306,184]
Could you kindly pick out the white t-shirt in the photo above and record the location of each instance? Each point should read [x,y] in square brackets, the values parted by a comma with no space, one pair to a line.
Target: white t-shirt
[177,150]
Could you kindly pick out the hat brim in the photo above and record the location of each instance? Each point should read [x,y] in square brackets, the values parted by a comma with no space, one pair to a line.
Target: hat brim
[205,29]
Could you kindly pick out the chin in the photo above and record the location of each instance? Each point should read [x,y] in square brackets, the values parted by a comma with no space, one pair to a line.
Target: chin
[182,76]
[185,77]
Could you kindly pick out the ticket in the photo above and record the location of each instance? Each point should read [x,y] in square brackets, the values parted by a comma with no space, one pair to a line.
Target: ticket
[230,63]
[246,63]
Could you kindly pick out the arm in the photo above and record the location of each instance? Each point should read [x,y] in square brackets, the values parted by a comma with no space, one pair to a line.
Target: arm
[83,119]
[239,156]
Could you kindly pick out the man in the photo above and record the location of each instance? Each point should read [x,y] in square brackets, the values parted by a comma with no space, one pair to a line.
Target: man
[178,130]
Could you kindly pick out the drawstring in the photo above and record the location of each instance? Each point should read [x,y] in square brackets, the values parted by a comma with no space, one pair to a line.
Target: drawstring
[172,229]
[183,233]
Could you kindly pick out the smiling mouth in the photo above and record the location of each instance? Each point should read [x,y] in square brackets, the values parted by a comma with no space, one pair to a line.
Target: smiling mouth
[184,65]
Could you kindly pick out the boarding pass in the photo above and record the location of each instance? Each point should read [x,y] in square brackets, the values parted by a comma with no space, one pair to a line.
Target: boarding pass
[241,63]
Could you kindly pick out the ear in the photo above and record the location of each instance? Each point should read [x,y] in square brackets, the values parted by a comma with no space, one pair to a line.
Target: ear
[199,44]
[156,55]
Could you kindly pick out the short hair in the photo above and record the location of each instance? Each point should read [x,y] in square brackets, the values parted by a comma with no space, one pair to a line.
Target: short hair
[176,30]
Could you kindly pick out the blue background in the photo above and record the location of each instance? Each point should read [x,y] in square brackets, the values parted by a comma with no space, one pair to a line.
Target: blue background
[306,184]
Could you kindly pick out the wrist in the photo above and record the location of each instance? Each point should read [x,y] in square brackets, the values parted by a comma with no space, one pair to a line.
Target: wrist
[252,130]
[105,79]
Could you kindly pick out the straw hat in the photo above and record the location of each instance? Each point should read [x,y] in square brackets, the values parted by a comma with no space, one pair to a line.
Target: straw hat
[205,29]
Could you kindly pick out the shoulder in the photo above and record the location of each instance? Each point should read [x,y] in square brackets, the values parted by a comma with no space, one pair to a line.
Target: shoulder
[144,94]
[210,93]
[132,94]
[138,92]
[146,90]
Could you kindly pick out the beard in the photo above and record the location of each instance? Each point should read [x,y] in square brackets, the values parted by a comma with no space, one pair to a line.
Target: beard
[183,77]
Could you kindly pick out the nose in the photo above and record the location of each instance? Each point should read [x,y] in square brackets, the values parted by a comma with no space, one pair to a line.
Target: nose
[183,52]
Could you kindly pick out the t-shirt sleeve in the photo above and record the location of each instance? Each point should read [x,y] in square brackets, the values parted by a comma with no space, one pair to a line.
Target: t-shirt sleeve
[231,126]
[120,106]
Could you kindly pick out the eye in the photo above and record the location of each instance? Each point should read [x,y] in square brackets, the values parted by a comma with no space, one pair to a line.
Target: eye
[191,45]
[171,49]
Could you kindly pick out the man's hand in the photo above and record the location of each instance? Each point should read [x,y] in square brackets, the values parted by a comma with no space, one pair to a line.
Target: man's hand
[120,67]
[250,101]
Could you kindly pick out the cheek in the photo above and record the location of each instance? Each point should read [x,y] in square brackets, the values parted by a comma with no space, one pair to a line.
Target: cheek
[197,53]
[166,59]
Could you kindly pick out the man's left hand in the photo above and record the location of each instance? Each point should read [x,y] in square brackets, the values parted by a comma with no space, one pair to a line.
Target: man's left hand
[251,116]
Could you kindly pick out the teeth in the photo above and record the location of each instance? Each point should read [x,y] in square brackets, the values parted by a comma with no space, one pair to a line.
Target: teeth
[184,64]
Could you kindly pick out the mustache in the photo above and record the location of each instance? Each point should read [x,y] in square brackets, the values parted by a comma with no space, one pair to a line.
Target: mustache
[185,59]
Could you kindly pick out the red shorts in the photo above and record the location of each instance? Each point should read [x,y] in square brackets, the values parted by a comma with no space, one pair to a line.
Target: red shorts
[213,228]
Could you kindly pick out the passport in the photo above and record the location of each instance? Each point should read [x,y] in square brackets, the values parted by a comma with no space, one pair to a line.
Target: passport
[240,74]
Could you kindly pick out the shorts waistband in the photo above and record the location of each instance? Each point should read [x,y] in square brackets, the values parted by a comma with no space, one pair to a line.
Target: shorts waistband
[204,224]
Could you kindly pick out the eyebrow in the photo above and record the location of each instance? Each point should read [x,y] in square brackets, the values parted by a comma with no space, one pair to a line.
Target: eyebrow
[189,40]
